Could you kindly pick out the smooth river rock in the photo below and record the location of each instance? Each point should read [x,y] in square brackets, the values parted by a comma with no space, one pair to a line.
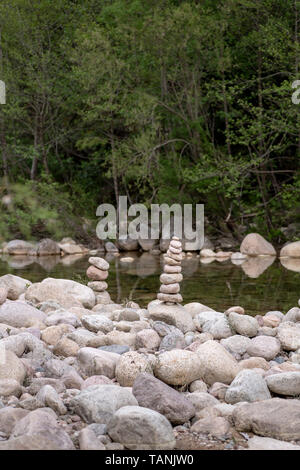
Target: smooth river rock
[177,367]
[287,383]
[254,244]
[216,364]
[264,346]
[139,428]
[172,314]
[98,403]
[64,291]
[278,418]
[247,386]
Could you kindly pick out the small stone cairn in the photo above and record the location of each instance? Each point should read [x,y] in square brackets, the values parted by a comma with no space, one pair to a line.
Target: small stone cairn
[171,277]
[97,272]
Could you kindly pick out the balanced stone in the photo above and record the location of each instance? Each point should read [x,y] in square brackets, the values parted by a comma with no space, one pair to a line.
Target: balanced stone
[99,263]
[171,261]
[170,288]
[98,286]
[168,269]
[96,274]
[170,279]
[174,298]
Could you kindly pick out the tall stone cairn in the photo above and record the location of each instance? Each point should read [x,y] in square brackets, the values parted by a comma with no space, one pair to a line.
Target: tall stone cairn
[171,277]
[98,272]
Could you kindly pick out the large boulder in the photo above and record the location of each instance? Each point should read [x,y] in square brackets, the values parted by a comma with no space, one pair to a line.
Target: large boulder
[47,247]
[128,244]
[278,418]
[139,428]
[15,285]
[247,386]
[172,314]
[98,403]
[19,314]
[151,392]
[216,364]
[287,383]
[291,250]
[18,247]
[42,424]
[64,291]
[177,367]
[254,244]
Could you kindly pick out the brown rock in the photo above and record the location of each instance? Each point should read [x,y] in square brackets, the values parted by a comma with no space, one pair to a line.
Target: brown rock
[152,393]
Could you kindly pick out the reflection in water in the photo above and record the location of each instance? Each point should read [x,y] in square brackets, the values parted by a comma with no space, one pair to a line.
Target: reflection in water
[68,260]
[259,284]
[255,266]
[292,264]
[48,262]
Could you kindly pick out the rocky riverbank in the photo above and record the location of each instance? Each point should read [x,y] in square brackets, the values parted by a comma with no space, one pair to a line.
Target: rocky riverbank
[78,371]
[252,245]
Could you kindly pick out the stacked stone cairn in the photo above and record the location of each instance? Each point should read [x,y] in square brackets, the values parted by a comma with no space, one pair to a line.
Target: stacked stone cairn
[98,273]
[171,277]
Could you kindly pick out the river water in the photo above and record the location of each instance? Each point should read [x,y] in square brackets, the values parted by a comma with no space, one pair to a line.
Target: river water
[259,284]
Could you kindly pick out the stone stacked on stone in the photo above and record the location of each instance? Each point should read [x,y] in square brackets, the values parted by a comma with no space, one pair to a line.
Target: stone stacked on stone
[171,277]
[97,272]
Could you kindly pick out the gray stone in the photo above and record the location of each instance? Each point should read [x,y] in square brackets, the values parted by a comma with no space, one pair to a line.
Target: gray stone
[98,403]
[236,344]
[48,396]
[115,348]
[174,315]
[97,323]
[140,428]
[19,314]
[47,247]
[96,362]
[243,324]
[247,386]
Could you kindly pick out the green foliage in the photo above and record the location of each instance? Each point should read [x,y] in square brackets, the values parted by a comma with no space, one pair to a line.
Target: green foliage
[36,210]
[174,101]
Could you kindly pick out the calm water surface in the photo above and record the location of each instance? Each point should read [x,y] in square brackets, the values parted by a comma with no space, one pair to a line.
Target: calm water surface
[259,284]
